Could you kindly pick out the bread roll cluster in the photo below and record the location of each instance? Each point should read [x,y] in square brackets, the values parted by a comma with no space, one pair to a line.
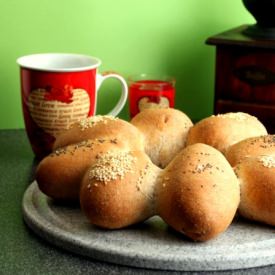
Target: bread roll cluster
[251,152]
[161,164]
[59,174]
[197,193]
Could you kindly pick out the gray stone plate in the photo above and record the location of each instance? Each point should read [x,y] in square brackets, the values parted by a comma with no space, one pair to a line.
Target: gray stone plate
[151,244]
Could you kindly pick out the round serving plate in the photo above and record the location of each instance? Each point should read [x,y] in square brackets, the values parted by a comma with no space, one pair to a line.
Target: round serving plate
[151,244]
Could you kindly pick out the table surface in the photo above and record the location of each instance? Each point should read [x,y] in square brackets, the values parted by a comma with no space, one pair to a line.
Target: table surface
[23,252]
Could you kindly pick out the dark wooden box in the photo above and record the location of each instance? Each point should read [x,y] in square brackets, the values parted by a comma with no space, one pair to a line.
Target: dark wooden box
[245,75]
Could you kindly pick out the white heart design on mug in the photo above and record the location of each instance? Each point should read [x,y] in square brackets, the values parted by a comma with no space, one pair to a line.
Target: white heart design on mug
[54,116]
[145,103]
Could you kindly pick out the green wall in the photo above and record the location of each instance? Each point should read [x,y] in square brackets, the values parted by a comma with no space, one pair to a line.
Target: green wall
[129,36]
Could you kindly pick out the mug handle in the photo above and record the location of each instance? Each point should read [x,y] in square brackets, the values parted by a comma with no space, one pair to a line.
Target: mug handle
[124,92]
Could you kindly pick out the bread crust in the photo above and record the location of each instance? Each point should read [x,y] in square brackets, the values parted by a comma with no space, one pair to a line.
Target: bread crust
[124,200]
[164,131]
[199,193]
[250,147]
[59,175]
[224,130]
[101,127]
[257,183]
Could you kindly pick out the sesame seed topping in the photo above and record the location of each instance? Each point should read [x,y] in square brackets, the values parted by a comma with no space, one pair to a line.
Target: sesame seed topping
[114,141]
[237,116]
[141,177]
[71,149]
[112,165]
[202,167]
[267,161]
[93,120]
[268,141]
[59,152]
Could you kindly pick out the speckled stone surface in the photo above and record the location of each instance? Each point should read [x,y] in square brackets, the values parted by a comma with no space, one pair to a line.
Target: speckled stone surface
[151,244]
[24,252]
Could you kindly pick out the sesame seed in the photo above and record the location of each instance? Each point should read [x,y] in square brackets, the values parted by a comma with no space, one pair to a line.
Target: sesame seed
[59,151]
[111,166]
[202,167]
[237,116]
[71,149]
[141,177]
[267,161]
[114,141]
[93,120]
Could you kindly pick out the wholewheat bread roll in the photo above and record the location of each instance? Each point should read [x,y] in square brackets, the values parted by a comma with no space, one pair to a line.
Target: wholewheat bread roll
[199,193]
[257,183]
[250,147]
[224,130]
[100,127]
[59,175]
[118,190]
[164,132]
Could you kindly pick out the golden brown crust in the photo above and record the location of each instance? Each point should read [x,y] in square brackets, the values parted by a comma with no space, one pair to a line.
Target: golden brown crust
[119,190]
[164,131]
[222,131]
[199,193]
[257,183]
[250,147]
[59,175]
[105,127]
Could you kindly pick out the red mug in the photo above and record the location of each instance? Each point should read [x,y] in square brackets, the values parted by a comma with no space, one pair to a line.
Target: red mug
[147,91]
[58,89]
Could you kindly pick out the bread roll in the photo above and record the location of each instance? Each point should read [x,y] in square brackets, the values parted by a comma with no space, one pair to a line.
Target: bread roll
[100,127]
[59,175]
[164,131]
[257,183]
[118,190]
[224,130]
[199,193]
[255,146]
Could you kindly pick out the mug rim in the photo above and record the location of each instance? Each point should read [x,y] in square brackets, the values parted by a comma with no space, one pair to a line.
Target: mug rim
[45,62]
[152,76]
